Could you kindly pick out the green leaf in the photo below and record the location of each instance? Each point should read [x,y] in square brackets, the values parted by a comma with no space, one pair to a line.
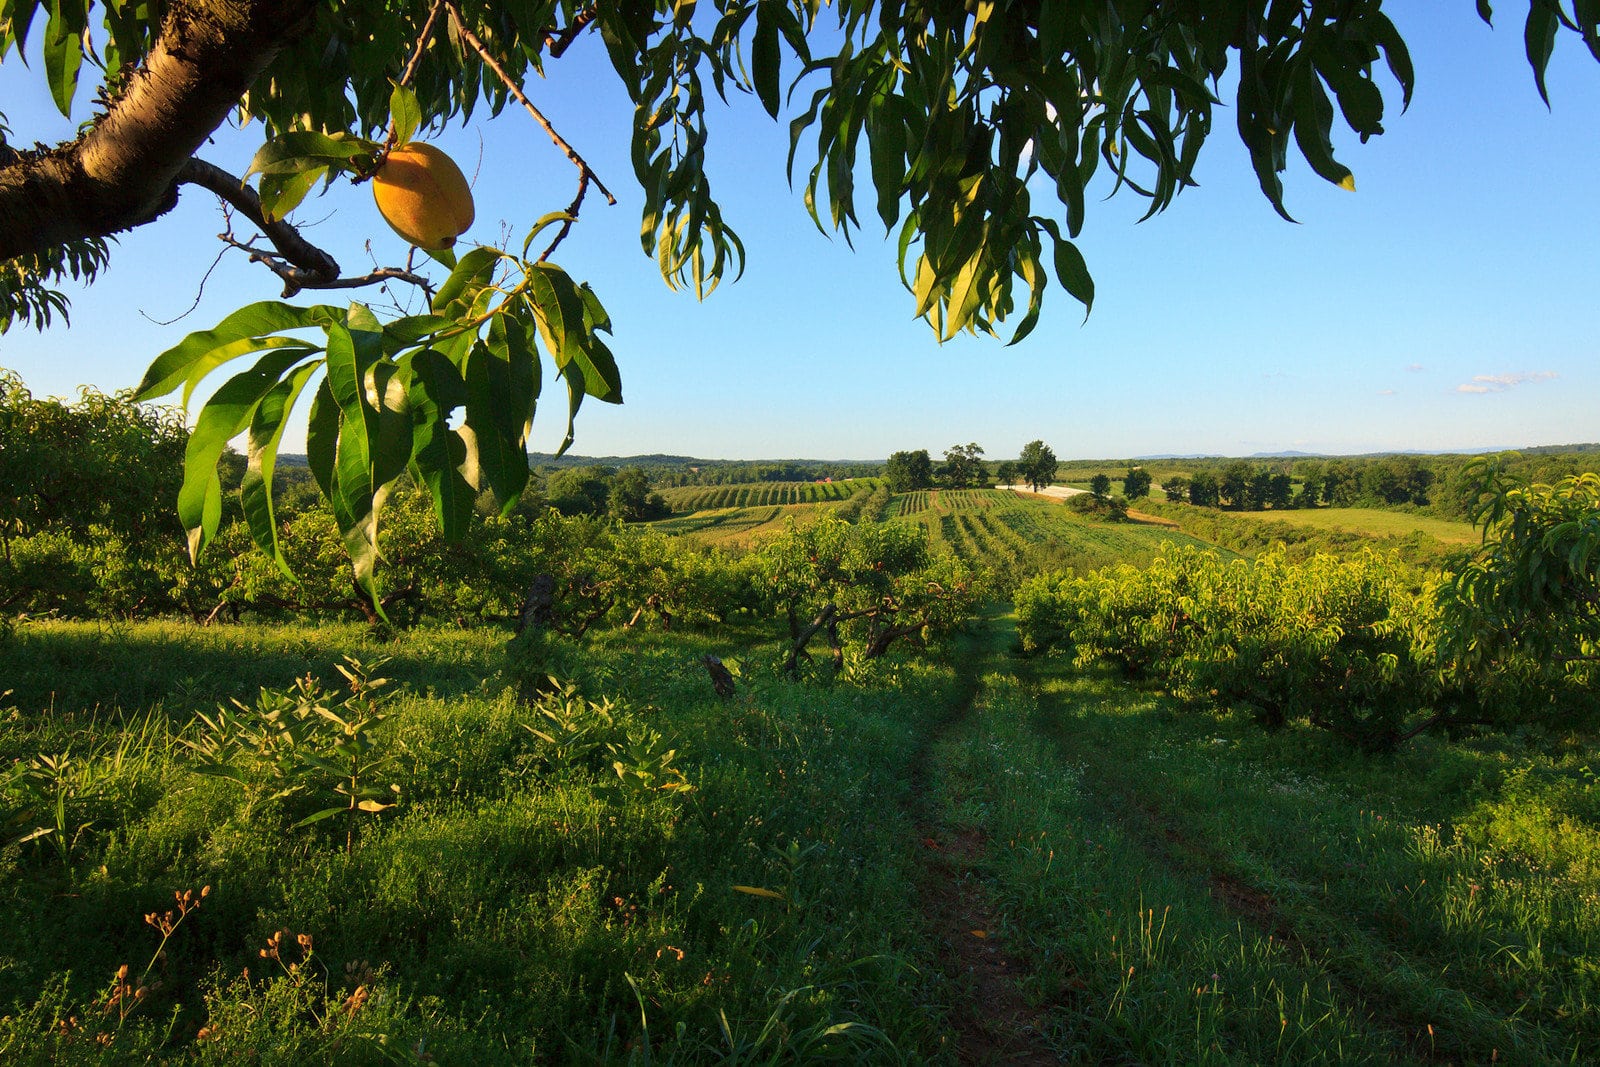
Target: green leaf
[254,321]
[266,431]
[1313,125]
[325,813]
[472,272]
[404,112]
[63,58]
[502,392]
[436,390]
[1539,37]
[355,499]
[282,193]
[766,59]
[227,413]
[292,152]
[539,227]
[1071,269]
[322,440]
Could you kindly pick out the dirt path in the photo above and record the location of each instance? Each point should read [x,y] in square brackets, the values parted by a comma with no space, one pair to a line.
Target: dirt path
[991,1022]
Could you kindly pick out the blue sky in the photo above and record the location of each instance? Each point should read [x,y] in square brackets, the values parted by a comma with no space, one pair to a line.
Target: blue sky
[1449,303]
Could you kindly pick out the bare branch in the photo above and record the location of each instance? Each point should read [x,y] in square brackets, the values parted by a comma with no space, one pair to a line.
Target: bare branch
[559,42]
[586,173]
[295,279]
[310,260]
[422,43]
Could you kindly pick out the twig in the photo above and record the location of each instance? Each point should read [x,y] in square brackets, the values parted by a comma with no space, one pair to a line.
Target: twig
[559,41]
[416,58]
[586,173]
[310,260]
[296,279]
[199,293]
[572,216]
[422,43]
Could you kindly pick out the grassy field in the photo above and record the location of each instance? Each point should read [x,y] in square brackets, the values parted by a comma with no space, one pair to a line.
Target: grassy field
[961,856]
[522,902]
[1179,887]
[1372,522]
[741,527]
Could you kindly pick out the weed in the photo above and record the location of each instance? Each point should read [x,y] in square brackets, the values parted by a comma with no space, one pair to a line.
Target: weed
[299,741]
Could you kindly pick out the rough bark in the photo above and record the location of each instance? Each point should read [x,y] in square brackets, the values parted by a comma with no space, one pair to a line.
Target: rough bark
[124,171]
[538,606]
[721,677]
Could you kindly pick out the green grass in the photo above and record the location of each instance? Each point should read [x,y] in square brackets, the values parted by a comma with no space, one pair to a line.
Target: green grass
[512,908]
[1171,885]
[1373,522]
[1187,888]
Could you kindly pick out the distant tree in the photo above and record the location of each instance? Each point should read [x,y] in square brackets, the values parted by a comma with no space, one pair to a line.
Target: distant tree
[580,490]
[1260,488]
[1177,488]
[1396,480]
[1007,472]
[908,471]
[1310,490]
[1100,486]
[1233,487]
[963,466]
[1341,484]
[1037,464]
[631,500]
[1203,490]
[1136,483]
[1280,490]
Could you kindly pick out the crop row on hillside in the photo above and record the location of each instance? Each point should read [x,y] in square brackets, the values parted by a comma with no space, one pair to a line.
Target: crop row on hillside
[692,498]
[1013,536]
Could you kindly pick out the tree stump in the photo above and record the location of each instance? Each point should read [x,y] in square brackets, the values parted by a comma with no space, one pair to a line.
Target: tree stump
[721,677]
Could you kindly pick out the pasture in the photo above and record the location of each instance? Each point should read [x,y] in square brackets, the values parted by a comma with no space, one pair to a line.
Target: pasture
[1371,522]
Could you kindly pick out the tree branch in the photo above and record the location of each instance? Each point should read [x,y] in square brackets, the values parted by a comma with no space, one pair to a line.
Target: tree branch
[560,40]
[312,262]
[296,279]
[586,173]
[123,171]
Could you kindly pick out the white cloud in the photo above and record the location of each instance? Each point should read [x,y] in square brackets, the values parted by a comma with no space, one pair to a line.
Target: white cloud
[1415,368]
[1386,392]
[1499,383]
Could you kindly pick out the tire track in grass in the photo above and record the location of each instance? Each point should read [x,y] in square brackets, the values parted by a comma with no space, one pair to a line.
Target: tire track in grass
[1166,843]
[991,1020]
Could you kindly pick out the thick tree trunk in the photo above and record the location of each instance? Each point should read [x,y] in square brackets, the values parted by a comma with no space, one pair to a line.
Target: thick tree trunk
[538,605]
[123,171]
[721,677]
[883,639]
